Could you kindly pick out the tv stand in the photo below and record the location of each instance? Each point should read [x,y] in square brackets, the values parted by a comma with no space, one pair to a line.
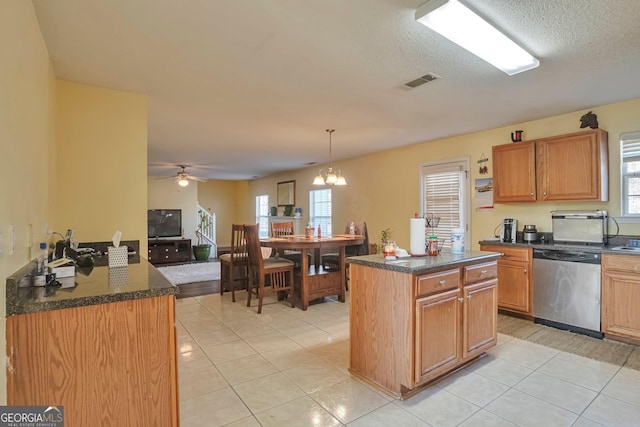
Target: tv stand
[168,251]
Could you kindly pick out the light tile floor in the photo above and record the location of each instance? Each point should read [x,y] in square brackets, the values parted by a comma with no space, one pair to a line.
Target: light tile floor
[288,367]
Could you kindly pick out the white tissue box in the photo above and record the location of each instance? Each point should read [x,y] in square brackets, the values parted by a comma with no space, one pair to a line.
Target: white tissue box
[118,276]
[118,257]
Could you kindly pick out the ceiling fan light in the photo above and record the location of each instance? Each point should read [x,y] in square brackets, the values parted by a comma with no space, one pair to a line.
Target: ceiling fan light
[183,182]
[318,180]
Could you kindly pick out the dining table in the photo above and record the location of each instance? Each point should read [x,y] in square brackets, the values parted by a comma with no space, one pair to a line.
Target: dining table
[314,281]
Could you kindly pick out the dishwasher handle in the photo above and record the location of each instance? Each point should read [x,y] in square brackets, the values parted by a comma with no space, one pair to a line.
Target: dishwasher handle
[567,256]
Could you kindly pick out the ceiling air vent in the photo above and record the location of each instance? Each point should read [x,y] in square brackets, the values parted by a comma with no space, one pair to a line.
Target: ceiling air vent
[422,80]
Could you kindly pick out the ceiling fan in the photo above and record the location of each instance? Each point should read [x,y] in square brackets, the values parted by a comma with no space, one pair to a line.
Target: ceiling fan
[182,177]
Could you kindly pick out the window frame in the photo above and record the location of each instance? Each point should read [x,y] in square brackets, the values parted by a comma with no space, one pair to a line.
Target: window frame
[262,218]
[629,142]
[461,164]
[326,222]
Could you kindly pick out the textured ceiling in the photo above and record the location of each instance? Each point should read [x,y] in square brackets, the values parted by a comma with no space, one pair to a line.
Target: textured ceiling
[246,88]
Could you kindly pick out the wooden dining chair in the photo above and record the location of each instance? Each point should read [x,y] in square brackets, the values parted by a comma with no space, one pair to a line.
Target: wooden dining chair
[234,265]
[332,260]
[278,271]
[279,229]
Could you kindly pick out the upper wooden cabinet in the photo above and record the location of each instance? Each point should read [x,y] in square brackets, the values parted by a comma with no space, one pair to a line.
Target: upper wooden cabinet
[561,168]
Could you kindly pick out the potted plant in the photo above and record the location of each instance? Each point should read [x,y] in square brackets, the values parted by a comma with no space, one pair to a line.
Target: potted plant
[384,236]
[202,250]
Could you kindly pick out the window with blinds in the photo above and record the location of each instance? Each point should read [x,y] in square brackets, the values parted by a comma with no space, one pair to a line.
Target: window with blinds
[444,200]
[630,169]
[262,215]
[320,210]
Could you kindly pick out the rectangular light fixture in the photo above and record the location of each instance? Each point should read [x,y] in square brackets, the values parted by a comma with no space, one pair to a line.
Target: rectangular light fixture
[456,22]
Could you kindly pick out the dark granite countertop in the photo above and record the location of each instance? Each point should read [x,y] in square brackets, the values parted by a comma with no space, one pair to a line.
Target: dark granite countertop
[419,265]
[550,244]
[93,285]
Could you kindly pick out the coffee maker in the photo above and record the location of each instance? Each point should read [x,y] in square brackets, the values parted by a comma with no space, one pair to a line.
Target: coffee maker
[508,230]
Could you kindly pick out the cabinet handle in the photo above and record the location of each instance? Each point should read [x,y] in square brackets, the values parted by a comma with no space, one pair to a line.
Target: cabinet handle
[525,271]
[443,282]
[531,194]
[461,299]
[545,193]
[468,296]
[483,271]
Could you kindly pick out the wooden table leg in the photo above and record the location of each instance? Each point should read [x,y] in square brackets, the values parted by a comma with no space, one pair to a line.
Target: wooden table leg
[304,278]
[343,275]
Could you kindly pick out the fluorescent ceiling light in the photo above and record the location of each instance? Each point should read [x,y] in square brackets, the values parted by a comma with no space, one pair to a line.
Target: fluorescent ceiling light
[454,21]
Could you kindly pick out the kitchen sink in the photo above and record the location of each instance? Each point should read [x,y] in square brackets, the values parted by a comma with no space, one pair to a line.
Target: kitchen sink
[626,249]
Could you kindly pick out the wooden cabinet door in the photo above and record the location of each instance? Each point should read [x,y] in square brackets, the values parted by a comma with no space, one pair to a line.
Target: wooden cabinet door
[514,286]
[514,172]
[573,167]
[437,334]
[620,296]
[479,318]
[107,364]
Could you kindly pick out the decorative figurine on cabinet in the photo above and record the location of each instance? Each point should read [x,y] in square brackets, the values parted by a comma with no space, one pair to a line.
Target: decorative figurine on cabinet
[590,120]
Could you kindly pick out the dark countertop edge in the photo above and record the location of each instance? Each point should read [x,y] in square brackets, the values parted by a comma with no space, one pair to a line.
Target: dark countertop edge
[598,249]
[36,307]
[15,306]
[428,263]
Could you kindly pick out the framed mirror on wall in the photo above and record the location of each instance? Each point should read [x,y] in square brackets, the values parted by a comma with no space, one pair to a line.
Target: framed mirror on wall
[286,193]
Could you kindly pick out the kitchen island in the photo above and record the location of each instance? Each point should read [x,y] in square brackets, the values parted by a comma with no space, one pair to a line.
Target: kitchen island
[416,319]
[104,346]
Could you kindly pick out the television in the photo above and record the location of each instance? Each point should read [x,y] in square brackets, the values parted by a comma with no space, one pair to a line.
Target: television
[164,223]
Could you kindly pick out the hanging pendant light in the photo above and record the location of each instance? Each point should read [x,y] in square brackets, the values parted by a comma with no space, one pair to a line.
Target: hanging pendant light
[330,176]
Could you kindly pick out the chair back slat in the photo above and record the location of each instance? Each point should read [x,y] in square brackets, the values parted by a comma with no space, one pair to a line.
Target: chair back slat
[256,262]
[238,242]
[279,229]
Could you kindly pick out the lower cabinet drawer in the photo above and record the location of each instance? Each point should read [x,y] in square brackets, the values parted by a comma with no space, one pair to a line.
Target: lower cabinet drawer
[437,282]
[480,272]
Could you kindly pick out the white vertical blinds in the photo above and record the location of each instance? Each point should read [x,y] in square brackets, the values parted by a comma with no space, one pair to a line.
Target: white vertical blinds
[320,210]
[442,187]
[262,215]
[630,153]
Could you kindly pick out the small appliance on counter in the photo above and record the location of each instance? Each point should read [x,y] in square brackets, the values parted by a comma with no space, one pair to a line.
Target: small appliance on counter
[508,230]
[583,227]
[530,233]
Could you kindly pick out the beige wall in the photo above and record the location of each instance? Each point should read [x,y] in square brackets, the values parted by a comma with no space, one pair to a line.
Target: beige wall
[227,200]
[102,164]
[384,188]
[27,110]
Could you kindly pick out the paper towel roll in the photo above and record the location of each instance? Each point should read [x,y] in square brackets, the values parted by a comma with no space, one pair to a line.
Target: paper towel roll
[416,236]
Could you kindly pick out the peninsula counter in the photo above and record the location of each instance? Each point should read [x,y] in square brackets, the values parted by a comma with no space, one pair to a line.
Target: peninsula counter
[104,347]
[416,319]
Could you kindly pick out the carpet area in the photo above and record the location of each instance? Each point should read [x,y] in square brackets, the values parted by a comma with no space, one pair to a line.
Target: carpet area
[191,273]
[617,353]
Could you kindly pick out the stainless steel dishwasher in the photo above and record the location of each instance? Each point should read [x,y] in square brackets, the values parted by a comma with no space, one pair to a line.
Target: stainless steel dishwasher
[566,290]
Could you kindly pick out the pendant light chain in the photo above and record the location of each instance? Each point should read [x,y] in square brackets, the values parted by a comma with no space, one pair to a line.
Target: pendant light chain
[330,156]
